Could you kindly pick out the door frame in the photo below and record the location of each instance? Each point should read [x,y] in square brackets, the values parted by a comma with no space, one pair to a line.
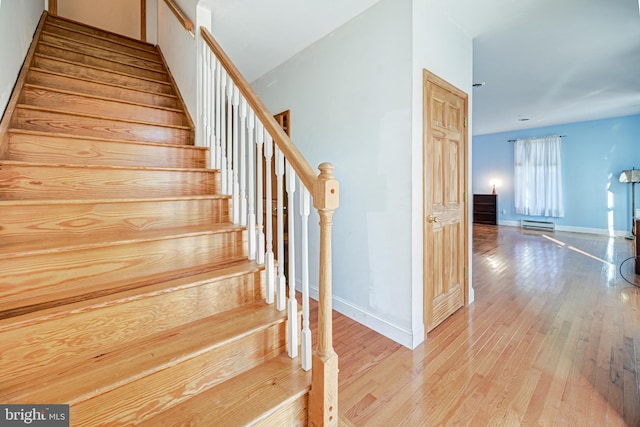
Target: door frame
[428,76]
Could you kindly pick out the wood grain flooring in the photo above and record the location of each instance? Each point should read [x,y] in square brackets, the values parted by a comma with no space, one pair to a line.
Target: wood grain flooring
[552,339]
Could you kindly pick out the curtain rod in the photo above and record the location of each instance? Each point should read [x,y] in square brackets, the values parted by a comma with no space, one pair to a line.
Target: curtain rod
[536,137]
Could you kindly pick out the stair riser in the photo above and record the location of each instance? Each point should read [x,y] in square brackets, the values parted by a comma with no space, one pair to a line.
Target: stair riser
[41,97]
[101,42]
[52,278]
[88,87]
[150,395]
[63,43]
[51,121]
[96,330]
[73,56]
[97,32]
[291,414]
[63,221]
[262,396]
[34,182]
[78,70]
[74,151]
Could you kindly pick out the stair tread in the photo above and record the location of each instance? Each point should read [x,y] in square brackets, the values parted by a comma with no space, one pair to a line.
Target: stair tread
[161,284]
[26,180]
[102,98]
[80,64]
[45,202]
[55,73]
[19,247]
[95,116]
[96,40]
[122,39]
[78,380]
[242,400]
[110,61]
[18,315]
[107,49]
[97,138]
[141,168]
[61,148]
[100,106]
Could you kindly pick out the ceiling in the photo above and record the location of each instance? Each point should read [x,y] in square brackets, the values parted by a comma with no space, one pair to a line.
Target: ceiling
[549,61]
[259,35]
[552,61]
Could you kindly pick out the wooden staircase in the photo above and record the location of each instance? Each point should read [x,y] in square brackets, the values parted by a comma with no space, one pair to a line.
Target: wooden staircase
[125,289]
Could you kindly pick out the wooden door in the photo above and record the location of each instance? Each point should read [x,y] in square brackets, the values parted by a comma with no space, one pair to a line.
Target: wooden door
[445,222]
[283,119]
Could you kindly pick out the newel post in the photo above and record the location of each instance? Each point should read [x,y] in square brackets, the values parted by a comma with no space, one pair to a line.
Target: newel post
[323,399]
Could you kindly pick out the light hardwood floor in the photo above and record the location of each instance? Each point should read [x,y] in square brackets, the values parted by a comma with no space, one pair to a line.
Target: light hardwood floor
[553,339]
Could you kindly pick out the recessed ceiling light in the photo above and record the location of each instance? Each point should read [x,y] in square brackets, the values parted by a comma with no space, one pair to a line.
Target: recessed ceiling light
[480,84]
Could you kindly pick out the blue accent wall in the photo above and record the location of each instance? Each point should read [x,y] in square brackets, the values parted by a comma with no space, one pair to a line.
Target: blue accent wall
[594,153]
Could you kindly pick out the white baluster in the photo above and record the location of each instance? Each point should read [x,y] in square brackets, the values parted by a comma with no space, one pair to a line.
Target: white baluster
[203,78]
[251,177]
[305,345]
[281,281]
[206,91]
[292,315]
[243,161]
[270,262]
[259,191]
[215,130]
[229,169]
[223,132]
[218,118]
[211,60]
[233,175]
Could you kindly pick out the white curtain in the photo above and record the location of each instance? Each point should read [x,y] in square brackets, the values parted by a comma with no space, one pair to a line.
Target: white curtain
[538,177]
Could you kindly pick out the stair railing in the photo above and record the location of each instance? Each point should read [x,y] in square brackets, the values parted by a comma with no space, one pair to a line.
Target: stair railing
[246,144]
[180,16]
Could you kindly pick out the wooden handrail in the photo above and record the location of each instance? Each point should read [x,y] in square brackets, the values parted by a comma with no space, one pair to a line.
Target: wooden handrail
[280,138]
[324,190]
[186,22]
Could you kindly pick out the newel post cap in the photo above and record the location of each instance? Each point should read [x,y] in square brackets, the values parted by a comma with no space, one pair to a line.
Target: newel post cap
[326,192]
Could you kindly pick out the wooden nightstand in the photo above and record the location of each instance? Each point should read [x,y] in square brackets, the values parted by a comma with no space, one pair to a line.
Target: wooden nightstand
[485,209]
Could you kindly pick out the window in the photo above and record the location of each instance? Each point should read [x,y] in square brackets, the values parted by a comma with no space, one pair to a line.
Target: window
[538,177]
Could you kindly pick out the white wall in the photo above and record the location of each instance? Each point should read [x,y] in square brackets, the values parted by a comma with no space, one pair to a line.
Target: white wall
[18,22]
[179,49]
[118,16]
[350,99]
[356,100]
[442,48]
[152,21]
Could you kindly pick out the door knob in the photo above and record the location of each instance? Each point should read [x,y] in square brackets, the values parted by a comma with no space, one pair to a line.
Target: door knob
[433,218]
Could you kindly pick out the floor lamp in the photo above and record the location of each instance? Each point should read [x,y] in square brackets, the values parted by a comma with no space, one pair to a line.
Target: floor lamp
[631,176]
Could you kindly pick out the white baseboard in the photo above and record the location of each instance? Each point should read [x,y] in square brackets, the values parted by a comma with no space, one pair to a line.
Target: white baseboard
[409,339]
[572,229]
[585,230]
[509,223]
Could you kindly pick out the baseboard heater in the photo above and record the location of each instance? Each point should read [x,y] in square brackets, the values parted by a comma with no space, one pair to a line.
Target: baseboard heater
[537,225]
